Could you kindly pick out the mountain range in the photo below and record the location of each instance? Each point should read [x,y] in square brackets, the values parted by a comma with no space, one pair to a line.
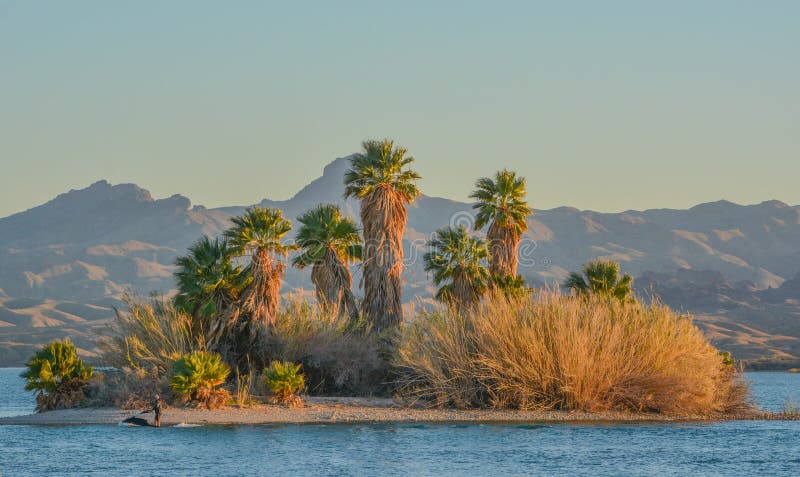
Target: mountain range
[65,264]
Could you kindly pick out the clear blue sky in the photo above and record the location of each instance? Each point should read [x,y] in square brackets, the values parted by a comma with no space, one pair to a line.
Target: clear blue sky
[601,105]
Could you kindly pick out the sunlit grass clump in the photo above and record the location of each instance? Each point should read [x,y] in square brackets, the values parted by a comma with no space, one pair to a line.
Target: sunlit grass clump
[150,336]
[553,351]
[338,356]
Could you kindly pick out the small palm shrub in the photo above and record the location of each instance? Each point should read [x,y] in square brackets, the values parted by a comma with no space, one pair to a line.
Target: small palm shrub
[285,381]
[195,377]
[57,375]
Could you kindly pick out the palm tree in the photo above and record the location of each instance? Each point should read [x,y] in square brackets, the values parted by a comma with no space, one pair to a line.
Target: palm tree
[501,201]
[602,278]
[208,283]
[259,233]
[457,262]
[380,179]
[329,242]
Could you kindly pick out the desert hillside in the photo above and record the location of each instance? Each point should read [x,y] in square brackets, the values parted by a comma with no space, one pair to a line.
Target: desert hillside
[65,264]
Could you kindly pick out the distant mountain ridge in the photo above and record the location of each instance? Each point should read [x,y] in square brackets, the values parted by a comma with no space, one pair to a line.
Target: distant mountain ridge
[88,246]
[737,317]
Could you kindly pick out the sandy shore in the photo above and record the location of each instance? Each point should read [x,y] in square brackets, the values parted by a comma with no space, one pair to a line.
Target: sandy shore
[347,410]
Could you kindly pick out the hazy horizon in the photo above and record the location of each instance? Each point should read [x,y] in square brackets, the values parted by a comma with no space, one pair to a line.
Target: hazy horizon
[606,107]
[290,196]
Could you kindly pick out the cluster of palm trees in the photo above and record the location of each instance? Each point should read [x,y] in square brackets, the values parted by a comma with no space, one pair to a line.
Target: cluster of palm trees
[220,292]
[231,285]
[229,295]
[465,267]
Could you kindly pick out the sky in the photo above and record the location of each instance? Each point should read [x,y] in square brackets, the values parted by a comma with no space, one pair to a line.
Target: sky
[606,106]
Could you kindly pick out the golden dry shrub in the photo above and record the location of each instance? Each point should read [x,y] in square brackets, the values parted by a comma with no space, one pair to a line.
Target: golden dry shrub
[570,353]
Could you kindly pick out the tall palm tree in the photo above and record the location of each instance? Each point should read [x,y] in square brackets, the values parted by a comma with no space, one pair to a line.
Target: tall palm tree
[501,201]
[458,265]
[259,234]
[329,242]
[380,179]
[602,278]
[208,283]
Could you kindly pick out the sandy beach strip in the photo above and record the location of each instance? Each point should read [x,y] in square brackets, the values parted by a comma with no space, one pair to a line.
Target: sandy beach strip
[350,410]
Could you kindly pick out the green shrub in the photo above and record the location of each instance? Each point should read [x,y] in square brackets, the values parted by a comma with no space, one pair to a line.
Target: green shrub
[285,381]
[58,376]
[511,287]
[727,359]
[195,377]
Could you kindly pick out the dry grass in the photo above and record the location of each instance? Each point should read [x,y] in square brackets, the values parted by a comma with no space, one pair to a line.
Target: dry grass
[337,355]
[245,383]
[558,352]
[790,408]
[150,336]
[211,398]
[127,388]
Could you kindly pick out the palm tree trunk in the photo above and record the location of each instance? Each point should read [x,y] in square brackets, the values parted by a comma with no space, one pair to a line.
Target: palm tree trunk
[383,216]
[504,249]
[334,284]
[464,295]
[226,314]
[321,277]
[262,296]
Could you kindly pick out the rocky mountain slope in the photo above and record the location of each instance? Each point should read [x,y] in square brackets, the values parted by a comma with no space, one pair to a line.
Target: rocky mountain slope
[64,264]
[751,323]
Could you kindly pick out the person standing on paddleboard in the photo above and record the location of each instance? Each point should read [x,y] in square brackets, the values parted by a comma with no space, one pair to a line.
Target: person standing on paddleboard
[157,410]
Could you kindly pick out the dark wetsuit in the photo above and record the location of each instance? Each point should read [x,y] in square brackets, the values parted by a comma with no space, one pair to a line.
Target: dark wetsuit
[157,411]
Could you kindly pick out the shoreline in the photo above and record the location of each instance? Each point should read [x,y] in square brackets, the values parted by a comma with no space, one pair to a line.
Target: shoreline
[752,366]
[360,411]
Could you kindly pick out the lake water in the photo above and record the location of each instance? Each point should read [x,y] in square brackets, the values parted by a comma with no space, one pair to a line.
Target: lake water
[680,449]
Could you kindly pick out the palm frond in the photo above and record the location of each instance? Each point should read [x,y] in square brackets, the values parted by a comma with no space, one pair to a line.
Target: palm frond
[259,228]
[501,199]
[601,277]
[457,262]
[381,164]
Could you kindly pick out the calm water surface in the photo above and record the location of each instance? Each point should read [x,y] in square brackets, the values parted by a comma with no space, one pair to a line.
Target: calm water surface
[730,448]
